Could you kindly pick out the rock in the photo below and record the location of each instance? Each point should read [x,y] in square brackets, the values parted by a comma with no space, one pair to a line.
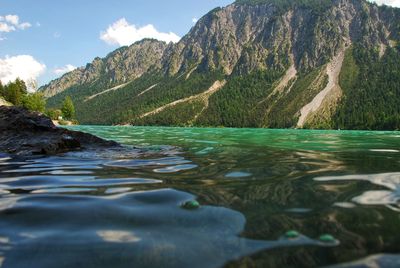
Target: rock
[28,133]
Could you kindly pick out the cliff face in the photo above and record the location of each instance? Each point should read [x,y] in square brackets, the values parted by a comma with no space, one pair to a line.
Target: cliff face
[295,50]
[273,34]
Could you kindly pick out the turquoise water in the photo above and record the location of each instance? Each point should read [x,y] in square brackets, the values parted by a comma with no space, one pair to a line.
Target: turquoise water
[125,208]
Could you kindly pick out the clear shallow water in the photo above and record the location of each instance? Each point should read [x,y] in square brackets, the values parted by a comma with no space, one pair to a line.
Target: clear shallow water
[110,209]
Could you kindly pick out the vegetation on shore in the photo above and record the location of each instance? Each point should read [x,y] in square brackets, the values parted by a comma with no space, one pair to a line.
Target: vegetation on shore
[16,93]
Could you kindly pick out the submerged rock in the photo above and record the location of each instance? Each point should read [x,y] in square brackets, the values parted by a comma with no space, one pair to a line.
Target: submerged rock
[28,133]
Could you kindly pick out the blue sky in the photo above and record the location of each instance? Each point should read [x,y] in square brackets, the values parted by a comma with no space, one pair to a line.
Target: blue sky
[44,38]
[67,32]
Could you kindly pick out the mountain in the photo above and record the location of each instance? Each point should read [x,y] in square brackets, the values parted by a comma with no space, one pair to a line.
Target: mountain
[122,65]
[255,63]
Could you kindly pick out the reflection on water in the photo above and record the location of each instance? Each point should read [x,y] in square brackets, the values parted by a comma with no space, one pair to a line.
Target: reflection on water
[118,236]
[391,181]
[123,208]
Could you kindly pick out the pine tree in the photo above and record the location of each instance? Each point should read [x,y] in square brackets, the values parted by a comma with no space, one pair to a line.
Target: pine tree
[68,109]
[21,86]
[34,102]
[13,94]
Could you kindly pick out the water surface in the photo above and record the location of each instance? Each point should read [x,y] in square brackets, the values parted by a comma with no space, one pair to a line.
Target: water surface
[124,208]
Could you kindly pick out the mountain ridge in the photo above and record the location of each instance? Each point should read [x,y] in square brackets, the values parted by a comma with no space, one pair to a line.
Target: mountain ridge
[283,49]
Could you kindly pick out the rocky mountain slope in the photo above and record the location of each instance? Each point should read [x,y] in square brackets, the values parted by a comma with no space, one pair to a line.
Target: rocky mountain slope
[122,65]
[254,63]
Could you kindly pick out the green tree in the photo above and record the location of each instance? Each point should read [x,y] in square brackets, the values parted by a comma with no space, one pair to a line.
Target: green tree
[34,102]
[68,109]
[21,86]
[14,92]
[54,114]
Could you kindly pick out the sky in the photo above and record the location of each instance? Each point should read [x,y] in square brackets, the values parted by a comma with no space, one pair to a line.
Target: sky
[42,39]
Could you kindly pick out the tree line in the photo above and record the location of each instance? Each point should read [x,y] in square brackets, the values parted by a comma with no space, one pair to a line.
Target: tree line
[16,93]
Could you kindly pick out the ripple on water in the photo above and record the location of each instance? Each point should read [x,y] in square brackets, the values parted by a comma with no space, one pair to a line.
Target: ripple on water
[344,205]
[118,190]
[64,190]
[135,163]
[299,210]
[40,169]
[147,229]
[44,181]
[173,169]
[205,151]
[69,172]
[238,174]
[385,150]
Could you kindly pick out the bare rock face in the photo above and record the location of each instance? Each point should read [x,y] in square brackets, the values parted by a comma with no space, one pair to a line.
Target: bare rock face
[26,133]
[267,34]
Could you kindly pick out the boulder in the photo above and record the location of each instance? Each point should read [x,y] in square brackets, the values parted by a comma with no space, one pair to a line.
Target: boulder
[28,133]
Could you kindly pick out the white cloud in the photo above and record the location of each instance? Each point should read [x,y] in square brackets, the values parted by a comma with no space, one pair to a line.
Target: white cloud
[122,33]
[24,67]
[395,3]
[67,68]
[13,19]
[10,23]
[24,25]
[4,27]
[194,20]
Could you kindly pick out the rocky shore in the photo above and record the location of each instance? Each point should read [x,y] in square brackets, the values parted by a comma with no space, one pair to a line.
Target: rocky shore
[27,133]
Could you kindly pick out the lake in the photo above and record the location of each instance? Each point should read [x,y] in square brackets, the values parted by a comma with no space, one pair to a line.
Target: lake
[202,197]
